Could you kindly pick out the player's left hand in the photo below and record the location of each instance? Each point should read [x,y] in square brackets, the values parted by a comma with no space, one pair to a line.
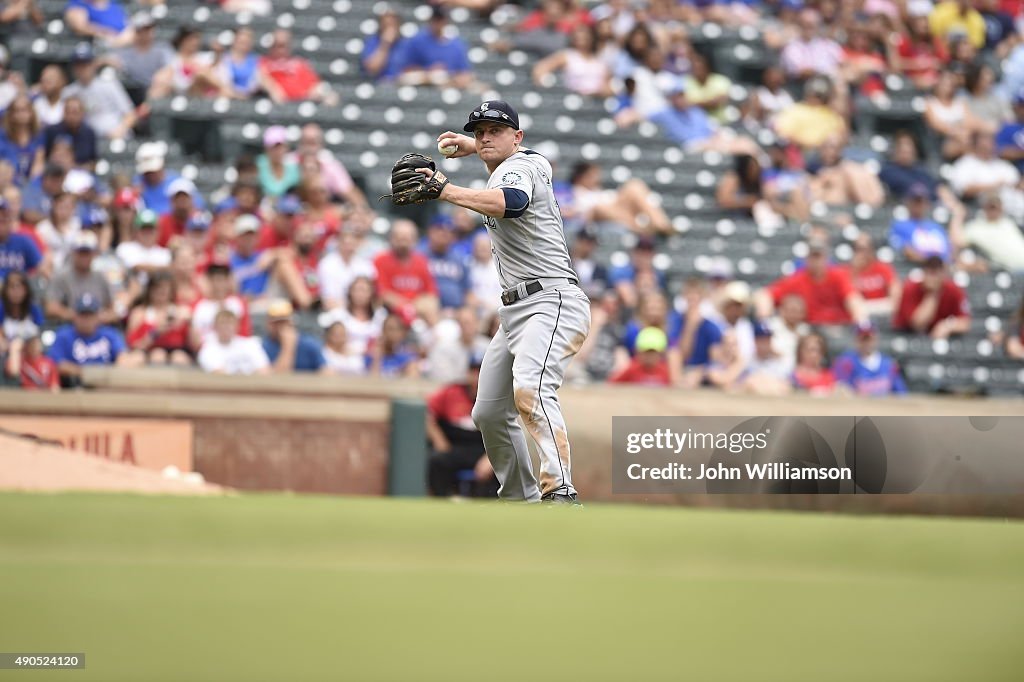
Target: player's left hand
[415,180]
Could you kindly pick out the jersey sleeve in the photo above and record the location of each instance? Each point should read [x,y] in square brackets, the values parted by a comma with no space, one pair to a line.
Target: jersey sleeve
[519,175]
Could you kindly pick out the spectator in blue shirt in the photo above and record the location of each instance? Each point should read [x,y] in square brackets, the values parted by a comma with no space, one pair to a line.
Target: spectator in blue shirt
[1010,139]
[624,278]
[867,371]
[449,270]
[21,143]
[250,266]
[85,341]
[105,20]
[698,334]
[393,354]
[81,134]
[919,237]
[18,253]
[904,169]
[37,197]
[430,58]
[288,349]
[154,180]
[381,51]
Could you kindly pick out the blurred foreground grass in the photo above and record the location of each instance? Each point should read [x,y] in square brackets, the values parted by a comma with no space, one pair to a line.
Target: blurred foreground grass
[275,587]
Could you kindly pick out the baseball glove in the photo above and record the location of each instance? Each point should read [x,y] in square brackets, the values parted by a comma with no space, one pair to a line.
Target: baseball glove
[408,186]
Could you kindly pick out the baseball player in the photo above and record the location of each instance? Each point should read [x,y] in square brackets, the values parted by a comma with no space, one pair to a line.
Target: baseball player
[545,316]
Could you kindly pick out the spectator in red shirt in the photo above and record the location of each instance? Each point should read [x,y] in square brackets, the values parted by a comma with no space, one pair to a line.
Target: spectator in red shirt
[281,230]
[918,53]
[826,289]
[172,225]
[403,275]
[37,371]
[455,442]
[812,373]
[649,366]
[293,75]
[158,326]
[875,281]
[935,305]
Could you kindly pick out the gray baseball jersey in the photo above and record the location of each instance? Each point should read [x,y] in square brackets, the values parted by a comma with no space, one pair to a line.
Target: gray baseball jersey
[531,246]
[526,361]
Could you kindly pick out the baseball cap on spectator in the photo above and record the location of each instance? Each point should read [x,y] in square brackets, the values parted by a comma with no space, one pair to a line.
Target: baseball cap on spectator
[289,204]
[438,13]
[143,20]
[476,361]
[1018,98]
[228,204]
[82,53]
[918,191]
[761,330]
[79,182]
[85,241]
[279,309]
[97,215]
[126,198]
[200,222]
[444,221]
[651,339]
[934,263]
[87,304]
[588,234]
[181,186]
[866,329]
[274,136]
[494,110]
[794,5]
[246,224]
[738,292]
[145,218]
[149,158]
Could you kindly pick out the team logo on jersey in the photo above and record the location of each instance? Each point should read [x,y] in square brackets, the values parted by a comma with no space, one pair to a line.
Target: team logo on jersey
[511,178]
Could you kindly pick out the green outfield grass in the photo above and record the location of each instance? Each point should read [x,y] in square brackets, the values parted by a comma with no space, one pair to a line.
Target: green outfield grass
[272,587]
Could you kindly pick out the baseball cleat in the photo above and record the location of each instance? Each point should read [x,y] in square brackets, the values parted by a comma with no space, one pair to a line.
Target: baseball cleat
[561,498]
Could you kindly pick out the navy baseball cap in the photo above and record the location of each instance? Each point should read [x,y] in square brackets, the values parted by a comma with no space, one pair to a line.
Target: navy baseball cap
[87,304]
[83,53]
[200,222]
[496,110]
[761,330]
[444,221]
[918,190]
[289,205]
[1019,97]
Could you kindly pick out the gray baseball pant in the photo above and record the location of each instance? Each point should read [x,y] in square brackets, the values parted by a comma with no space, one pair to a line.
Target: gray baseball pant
[519,377]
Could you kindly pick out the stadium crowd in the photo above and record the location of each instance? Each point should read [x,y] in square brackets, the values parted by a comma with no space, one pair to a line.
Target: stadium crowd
[146,270]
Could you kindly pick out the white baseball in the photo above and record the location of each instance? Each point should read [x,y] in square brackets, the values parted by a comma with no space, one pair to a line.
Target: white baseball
[450,150]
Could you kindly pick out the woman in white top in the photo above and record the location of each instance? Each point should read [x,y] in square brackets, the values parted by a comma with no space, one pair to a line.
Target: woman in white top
[58,231]
[338,353]
[946,112]
[583,70]
[362,316]
[192,71]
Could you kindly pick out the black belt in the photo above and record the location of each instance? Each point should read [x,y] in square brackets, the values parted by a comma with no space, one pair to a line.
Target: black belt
[510,296]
